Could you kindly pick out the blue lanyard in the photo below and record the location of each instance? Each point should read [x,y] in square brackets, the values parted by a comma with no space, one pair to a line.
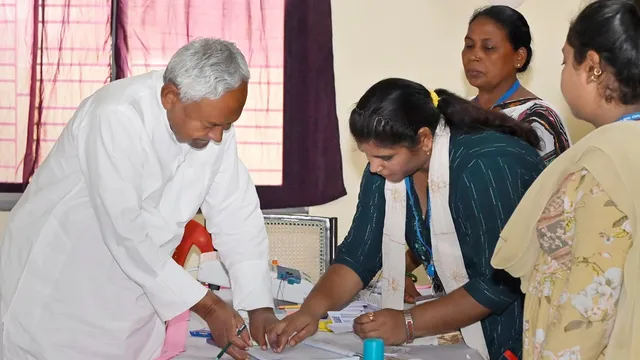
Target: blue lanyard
[431,269]
[507,95]
[630,117]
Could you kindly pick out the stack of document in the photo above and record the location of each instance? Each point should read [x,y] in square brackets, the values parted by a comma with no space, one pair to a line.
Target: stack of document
[342,321]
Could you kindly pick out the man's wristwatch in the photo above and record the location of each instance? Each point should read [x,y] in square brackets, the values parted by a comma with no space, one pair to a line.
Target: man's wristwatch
[409,327]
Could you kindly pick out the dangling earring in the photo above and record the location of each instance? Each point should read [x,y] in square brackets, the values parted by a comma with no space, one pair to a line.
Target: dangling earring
[596,74]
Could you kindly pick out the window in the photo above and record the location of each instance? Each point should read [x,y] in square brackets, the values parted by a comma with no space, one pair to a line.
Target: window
[46,71]
[156,29]
[72,59]
[11,74]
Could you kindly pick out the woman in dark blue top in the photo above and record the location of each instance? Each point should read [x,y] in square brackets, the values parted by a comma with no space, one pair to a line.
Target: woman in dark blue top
[492,161]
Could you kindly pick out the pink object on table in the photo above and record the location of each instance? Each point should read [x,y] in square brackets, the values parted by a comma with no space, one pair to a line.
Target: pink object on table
[175,340]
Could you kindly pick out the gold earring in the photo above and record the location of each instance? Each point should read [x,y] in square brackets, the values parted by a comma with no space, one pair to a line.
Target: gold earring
[596,74]
[518,66]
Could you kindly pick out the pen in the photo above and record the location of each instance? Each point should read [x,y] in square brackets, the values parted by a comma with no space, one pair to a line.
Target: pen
[226,347]
[204,333]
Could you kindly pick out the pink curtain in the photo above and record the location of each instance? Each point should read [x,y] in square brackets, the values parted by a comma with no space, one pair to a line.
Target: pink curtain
[56,53]
[52,55]
[149,33]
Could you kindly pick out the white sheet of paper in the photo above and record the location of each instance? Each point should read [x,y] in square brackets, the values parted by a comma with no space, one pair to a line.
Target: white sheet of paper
[299,352]
[342,321]
[341,328]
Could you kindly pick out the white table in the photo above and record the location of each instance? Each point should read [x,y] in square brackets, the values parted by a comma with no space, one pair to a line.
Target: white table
[198,349]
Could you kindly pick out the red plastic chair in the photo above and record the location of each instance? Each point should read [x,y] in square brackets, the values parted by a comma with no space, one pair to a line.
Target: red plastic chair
[195,234]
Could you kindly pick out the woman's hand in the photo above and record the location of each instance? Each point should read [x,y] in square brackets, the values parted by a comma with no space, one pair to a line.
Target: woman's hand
[386,324]
[410,291]
[292,330]
[260,321]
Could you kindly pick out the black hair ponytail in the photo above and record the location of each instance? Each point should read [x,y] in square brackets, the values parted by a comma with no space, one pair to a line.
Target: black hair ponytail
[467,116]
[393,110]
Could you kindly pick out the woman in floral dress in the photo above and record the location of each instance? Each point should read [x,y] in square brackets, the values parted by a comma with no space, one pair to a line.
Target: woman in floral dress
[570,240]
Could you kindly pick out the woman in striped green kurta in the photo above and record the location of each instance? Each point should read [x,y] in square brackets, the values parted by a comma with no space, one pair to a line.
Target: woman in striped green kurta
[492,160]
[490,172]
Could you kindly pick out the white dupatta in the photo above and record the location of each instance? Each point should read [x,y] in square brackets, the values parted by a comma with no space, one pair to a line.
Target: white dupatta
[447,256]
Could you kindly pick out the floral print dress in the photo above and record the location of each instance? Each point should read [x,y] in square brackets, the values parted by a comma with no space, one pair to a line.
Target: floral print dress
[571,302]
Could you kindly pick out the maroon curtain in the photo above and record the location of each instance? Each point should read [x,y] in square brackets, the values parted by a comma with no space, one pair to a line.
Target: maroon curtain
[312,172]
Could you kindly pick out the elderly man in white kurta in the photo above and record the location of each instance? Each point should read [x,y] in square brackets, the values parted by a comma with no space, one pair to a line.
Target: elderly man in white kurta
[85,262]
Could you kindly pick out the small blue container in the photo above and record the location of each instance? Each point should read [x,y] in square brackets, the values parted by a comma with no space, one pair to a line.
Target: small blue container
[373,349]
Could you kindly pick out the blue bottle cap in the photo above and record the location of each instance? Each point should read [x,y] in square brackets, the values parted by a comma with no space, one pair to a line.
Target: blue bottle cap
[373,349]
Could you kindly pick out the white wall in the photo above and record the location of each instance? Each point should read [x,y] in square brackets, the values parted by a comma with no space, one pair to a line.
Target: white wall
[421,40]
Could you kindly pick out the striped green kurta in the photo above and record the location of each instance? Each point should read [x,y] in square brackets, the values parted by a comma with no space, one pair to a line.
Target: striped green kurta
[489,174]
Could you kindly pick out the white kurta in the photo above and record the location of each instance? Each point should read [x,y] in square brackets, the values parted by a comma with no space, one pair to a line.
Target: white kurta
[85,262]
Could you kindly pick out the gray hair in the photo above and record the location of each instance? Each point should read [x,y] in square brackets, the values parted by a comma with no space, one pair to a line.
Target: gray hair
[206,68]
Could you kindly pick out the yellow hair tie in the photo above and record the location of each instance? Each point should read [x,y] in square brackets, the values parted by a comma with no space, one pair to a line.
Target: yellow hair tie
[434,98]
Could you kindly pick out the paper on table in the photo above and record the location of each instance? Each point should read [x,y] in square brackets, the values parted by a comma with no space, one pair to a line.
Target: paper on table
[296,353]
[199,350]
[330,347]
[342,321]
[341,328]
[310,349]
